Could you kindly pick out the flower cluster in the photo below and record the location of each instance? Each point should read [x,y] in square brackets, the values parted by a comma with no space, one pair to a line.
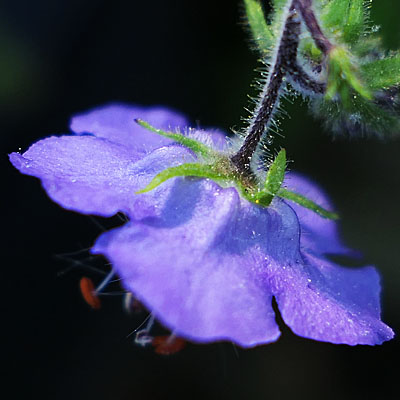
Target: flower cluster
[214,236]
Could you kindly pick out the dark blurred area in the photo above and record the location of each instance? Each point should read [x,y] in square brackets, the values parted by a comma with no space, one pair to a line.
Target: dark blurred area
[58,58]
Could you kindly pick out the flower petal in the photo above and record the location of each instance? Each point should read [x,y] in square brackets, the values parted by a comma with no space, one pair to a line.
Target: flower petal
[332,304]
[209,265]
[116,122]
[95,176]
[319,234]
[202,267]
[214,138]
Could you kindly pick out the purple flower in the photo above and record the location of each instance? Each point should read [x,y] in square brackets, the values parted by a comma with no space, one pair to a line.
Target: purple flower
[205,261]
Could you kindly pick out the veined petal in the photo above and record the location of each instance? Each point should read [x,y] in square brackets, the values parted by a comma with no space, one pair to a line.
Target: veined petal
[202,267]
[332,304]
[210,264]
[95,176]
[319,235]
[116,123]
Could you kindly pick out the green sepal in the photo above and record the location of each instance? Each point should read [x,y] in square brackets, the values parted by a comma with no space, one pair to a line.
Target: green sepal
[192,144]
[262,198]
[383,73]
[188,169]
[273,182]
[306,203]
[261,32]
[343,80]
[276,173]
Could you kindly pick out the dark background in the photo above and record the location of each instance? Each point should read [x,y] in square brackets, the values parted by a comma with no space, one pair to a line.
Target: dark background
[61,57]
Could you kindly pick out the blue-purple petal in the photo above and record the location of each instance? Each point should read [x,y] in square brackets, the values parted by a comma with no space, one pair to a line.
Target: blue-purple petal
[330,303]
[206,262]
[210,264]
[186,270]
[116,123]
[95,176]
[319,235]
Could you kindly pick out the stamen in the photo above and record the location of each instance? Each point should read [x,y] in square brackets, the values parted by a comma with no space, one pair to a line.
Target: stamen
[130,304]
[168,344]
[105,281]
[89,293]
[142,337]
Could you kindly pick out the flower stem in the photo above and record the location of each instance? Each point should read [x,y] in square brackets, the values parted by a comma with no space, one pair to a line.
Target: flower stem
[309,18]
[285,57]
[284,63]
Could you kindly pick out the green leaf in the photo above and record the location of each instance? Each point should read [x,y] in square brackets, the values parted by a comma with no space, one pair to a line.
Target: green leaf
[276,20]
[334,15]
[276,173]
[265,32]
[306,203]
[355,21]
[189,169]
[192,144]
[277,4]
[261,32]
[383,73]
[345,19]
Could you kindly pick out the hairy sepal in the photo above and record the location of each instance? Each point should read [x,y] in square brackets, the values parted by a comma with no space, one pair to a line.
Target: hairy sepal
[276,173]
[306,203]
[188,169]
[197,147]
[221,173]
[273,182]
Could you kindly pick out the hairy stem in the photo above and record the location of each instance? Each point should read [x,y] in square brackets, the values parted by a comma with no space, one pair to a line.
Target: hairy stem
[285,63]
[284,60]
[306,82]
[309,18]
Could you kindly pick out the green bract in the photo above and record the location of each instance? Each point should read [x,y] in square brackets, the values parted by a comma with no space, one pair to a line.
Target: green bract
[218,167]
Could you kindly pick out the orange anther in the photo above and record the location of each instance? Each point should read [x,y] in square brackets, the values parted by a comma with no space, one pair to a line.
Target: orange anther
[167,345]
[89,293]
